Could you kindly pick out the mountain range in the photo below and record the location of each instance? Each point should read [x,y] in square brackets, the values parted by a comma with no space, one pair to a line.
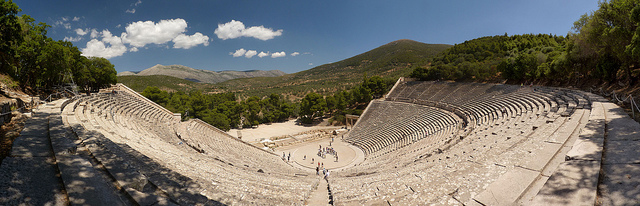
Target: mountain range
[201,76]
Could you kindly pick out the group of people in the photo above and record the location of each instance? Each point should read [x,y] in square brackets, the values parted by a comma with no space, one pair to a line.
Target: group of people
[322,152]
[325,171]
[288,158]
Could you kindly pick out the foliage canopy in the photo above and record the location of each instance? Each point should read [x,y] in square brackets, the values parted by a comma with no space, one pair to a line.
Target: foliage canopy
[39,62]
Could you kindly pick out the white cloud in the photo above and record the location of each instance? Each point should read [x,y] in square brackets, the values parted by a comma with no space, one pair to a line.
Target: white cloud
[250,53]
[141,33]
[278,54]
[137,35]
[183,41]
[230,30]
[63,23]
[131,11]
[81,32]
[235,29]
[310,64]
[99,48]
[94,33]
[137,2]
[262,54]
[238,52]
[72,39]
[119,25]
[75,18]
[295,54]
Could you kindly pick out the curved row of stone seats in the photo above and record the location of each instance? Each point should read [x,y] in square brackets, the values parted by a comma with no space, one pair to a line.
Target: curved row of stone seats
[103,104]
[544,99]
[128,122]
[212,141]
[256,189]
[529,135]
[134,171]
[460,172]
[393,125]
[515,112]
[479,108]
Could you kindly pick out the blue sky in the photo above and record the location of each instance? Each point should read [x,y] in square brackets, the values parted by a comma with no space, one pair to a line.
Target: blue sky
[288,35]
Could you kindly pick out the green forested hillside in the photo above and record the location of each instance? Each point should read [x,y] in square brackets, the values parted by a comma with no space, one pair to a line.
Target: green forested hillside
[391,61]
[603,48]
[484,58]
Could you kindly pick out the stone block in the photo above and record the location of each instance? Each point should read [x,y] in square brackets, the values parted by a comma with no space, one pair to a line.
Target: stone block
[620,185]
[573,183]
[30,181]
[623,152]
[31,146]
[148,199]
[85,184]
[586,148]
[507,189]
[541,156]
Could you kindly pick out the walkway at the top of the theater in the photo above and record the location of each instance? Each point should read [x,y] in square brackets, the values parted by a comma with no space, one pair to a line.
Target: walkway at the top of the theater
[621,163]
[603,167]
[48,166]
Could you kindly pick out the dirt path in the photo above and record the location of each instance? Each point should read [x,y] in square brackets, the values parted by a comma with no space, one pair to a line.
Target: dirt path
[275,130]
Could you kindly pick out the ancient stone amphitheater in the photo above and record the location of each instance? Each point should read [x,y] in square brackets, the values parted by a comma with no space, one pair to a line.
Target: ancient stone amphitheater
[425,143]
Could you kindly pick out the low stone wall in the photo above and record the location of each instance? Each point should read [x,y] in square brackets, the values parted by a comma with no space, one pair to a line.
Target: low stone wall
[6,107]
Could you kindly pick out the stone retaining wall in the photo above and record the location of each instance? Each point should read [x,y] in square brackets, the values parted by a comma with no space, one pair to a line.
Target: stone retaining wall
[6,108]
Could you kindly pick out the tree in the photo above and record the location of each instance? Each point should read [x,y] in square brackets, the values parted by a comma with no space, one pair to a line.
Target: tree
[362,94]
[232,110]
[609,33]
[103,72]
[376,85]
[218,120]
[251,111]
[10,34]
[312,106]
[331,103]
[199,103]
[156,95]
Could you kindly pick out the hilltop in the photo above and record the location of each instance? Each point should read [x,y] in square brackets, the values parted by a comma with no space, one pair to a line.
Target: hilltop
[390,61]
[199,75]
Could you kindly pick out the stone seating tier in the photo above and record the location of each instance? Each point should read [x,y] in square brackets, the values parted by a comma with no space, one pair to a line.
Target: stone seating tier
[220,174]
[494,146]
[427,142]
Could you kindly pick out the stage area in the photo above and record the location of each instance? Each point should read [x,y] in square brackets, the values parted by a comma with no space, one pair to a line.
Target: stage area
[305,155]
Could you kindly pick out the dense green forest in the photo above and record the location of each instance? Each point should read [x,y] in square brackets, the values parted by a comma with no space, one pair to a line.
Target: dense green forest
[604,46]
[225,111]
[39,63]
